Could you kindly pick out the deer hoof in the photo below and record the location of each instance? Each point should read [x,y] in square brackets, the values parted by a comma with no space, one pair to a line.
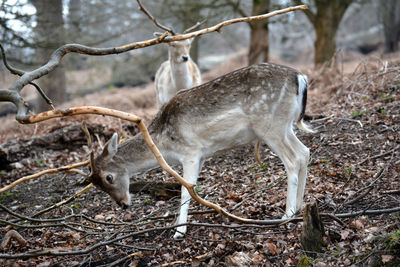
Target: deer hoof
[178,235]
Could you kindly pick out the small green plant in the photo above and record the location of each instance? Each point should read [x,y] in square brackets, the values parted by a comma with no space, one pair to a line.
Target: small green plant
[76,205]
[358,113]
[259,167]
[146,200]
[323,160]
[386,97]
[384,111]
[305,261]
[2,171]
[197,189]
[40,163]
[394,240]
[8,194]
[348,171]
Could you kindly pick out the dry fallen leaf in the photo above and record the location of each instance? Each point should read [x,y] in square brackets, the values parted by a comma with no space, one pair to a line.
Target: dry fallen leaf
[357,224]
[344,234]
[272,249]
[387,258]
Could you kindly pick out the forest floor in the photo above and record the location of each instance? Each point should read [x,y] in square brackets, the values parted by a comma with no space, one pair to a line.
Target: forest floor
[354,177]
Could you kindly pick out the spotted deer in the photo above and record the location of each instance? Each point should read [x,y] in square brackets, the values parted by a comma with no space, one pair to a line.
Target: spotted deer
[256,103]
[177,73]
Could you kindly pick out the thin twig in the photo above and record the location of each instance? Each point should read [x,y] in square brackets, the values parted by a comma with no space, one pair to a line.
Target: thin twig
[152,18]
[59,204]
[379,155]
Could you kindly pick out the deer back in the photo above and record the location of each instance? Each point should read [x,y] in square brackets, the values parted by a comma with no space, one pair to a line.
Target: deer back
[255,94]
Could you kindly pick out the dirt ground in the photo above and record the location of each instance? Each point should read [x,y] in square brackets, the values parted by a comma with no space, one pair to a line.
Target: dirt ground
[353,178]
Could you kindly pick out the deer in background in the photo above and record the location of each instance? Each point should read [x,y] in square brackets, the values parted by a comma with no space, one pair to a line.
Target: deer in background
[256,103]
[177,73]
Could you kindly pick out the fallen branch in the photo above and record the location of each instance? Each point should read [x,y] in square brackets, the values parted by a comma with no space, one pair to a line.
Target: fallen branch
[59,204]
[380,155]
[37,175]
[12,234]
[396,191]
[65,252]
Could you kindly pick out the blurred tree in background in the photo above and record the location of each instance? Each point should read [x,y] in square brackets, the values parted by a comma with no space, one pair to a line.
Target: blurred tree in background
[325,16]
[49,35]
[31,29]
[259,43]
[389,11]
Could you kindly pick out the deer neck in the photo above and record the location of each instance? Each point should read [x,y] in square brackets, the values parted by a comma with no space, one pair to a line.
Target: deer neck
[135,156]
[181,76]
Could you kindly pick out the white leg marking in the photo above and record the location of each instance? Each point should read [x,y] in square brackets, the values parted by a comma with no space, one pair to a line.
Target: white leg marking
[190,173]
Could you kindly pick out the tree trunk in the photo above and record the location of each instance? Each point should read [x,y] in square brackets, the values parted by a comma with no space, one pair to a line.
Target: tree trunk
[325,42]
[326,21]
[390,18]
[49,33]
[259,43]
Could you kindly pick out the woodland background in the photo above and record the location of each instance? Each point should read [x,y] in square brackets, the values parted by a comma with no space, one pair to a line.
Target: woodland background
[349,50]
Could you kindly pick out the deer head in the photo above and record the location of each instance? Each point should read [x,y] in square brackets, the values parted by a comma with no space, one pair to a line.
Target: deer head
[178,51]
[109,175]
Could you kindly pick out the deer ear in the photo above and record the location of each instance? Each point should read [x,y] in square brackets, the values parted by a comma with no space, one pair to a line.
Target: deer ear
[111,146]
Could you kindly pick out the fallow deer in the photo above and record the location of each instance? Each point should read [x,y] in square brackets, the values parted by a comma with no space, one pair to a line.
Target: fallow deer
[177,73]
[256,103]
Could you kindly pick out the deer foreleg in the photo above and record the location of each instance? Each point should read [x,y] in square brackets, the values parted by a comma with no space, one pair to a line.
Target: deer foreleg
[191,169]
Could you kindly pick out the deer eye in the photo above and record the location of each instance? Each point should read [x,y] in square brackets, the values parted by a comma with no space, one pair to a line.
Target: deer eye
[109,178]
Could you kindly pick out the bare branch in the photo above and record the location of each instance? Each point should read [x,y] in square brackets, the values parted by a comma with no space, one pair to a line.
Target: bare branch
[36,175]
[195,27]
[12,234]
[148,14]
[13,93]
[218,26]
[20,73]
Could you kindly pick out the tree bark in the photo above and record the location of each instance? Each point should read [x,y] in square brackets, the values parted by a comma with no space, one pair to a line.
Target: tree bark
[259,43]
[312,233]
[326,22]
[50,35]
[389,11]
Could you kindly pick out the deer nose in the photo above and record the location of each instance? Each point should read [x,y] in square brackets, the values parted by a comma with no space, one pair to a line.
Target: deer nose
[123,206]
[185,58]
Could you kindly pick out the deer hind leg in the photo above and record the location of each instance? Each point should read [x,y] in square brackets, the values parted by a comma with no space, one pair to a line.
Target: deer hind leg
[191,169]
[304,156]
[294,156]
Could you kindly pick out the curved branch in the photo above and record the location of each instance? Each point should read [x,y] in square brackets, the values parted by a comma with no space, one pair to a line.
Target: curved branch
[56,57]
[11,69]
[152,18]
[218,26]
[147,138]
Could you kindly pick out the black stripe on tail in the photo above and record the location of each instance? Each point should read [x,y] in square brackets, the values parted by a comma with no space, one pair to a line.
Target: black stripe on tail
[303,102]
